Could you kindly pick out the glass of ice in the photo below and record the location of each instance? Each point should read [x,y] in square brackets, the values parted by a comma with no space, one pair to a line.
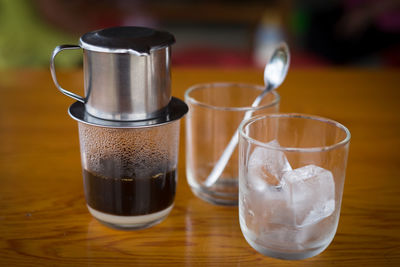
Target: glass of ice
[291,176]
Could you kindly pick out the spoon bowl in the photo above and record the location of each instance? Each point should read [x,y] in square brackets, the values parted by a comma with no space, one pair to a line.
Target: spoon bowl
[276,69]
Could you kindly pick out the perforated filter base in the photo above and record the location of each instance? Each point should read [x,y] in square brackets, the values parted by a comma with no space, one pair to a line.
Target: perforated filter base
[130,222]
[175,110]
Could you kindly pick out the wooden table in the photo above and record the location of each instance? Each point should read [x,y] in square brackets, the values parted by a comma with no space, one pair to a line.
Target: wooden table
[44,220]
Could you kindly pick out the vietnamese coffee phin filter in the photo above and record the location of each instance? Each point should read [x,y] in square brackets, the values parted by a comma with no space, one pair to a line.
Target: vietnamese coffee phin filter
[128,125]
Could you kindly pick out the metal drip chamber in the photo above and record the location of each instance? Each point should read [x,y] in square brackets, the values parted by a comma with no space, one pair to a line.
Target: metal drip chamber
[128,125]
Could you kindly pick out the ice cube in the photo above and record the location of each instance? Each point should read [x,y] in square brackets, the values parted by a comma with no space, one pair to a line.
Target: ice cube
[266,167]
[286,237]
[291,237]
[277,209]
[311,194]
[268,207]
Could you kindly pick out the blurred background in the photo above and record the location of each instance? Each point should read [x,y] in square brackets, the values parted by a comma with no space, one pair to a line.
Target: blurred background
[223,33]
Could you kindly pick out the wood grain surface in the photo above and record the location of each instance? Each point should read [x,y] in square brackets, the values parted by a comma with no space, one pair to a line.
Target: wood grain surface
[44,220]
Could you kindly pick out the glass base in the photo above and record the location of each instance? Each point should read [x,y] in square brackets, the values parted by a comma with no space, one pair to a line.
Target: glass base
[281,254]
[223,192]
[130,222]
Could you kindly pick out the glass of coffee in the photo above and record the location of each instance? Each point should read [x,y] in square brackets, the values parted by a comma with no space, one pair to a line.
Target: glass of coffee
[129,173]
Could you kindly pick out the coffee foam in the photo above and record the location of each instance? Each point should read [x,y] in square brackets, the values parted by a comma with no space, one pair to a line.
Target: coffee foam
[129,152]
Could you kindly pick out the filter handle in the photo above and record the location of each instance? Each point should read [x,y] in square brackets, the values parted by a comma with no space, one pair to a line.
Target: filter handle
[57,50]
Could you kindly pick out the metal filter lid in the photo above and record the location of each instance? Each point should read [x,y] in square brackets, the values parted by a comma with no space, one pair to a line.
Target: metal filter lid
[134,40]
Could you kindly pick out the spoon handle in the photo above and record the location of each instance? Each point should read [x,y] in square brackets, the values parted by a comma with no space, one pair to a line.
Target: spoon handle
[219,167]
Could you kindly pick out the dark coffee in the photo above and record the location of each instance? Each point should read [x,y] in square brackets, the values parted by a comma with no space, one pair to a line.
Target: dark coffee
[130,195]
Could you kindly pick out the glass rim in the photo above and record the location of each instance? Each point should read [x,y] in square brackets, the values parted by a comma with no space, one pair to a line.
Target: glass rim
[295,115]
[195,87]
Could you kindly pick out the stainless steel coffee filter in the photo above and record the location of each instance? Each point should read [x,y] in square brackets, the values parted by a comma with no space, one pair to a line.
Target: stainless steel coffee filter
[128,125]
[126,72]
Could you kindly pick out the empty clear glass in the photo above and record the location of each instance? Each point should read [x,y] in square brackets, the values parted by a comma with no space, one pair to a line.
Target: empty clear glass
[215,112]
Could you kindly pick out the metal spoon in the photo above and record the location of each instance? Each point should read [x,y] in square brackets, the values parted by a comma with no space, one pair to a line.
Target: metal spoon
[274,73]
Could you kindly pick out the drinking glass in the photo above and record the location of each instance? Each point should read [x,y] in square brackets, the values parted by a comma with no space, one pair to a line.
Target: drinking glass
[215,112]
[291,176]
[129,174]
